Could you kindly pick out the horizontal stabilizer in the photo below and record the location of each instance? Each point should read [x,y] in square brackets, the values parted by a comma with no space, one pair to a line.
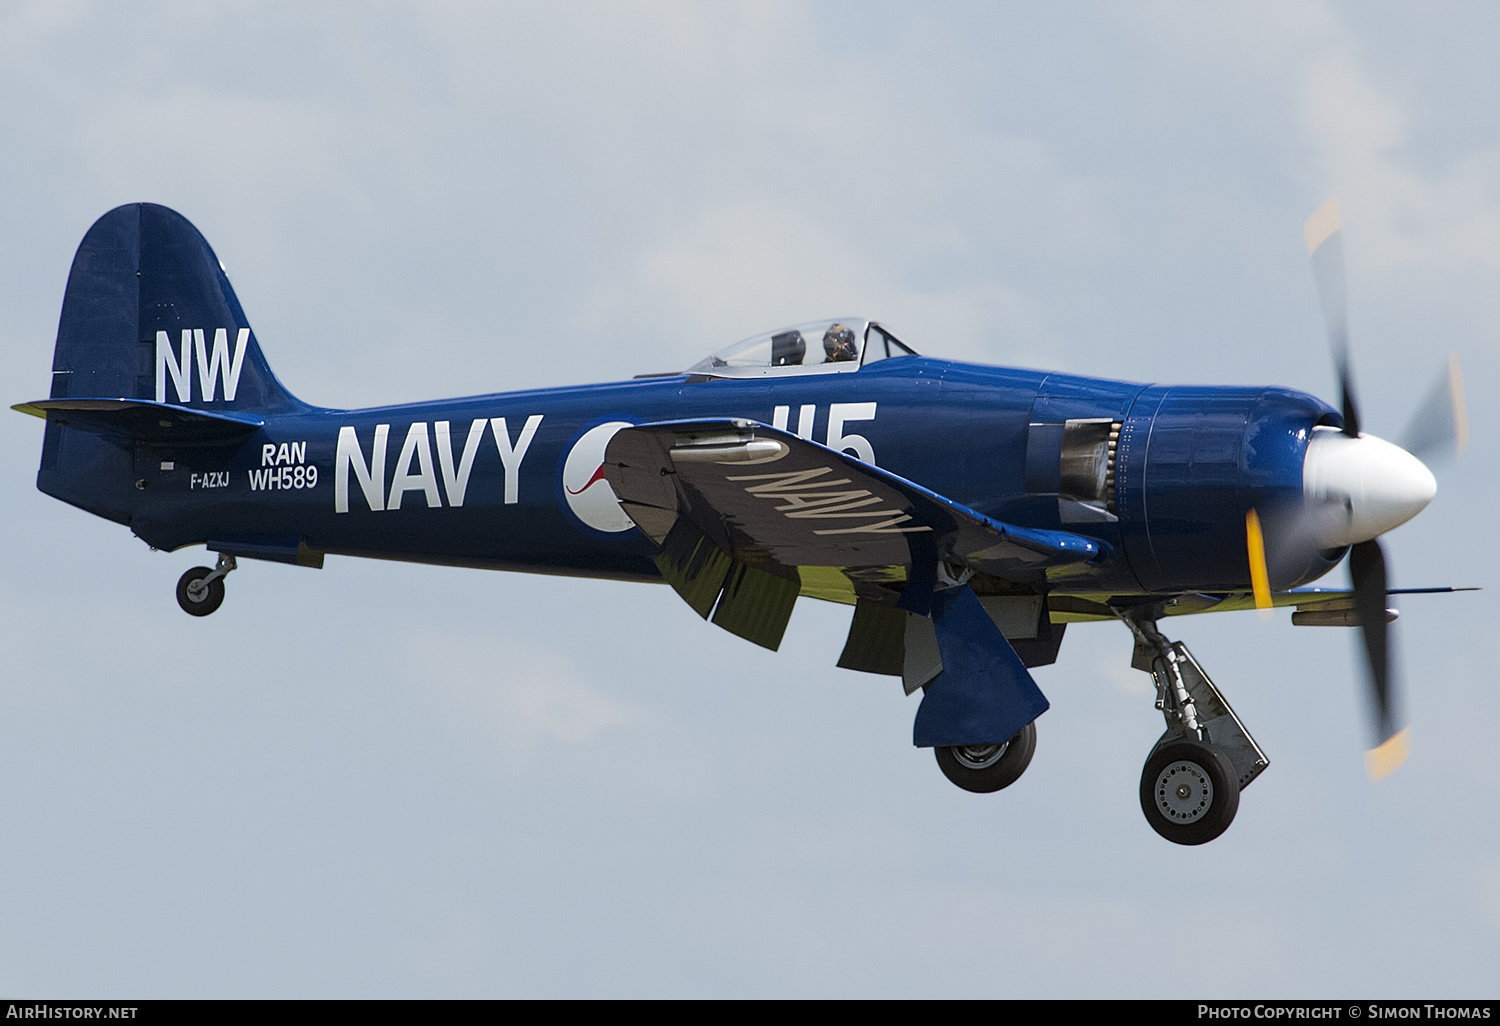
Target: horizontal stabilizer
[146,421]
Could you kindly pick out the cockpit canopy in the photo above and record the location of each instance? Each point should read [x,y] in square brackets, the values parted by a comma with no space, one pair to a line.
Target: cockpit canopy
[818,347]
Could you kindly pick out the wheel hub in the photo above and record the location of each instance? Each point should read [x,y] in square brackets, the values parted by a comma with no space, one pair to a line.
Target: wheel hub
[1184,792]
[980,756]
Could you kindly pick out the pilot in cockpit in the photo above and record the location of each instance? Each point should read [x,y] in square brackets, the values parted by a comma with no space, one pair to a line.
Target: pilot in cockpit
[787,349]
[838,343]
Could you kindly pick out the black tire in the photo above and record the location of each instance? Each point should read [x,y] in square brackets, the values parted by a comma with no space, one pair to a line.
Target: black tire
[1189,792]
[985,769]
[199,602]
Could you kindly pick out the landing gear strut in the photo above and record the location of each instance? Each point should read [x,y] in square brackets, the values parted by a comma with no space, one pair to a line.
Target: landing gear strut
[987,768]
[1190,787]
[200,591]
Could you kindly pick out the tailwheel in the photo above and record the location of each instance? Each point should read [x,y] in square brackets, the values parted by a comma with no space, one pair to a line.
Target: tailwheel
[198,595]
[1189,792]
[987,768]
[200,591]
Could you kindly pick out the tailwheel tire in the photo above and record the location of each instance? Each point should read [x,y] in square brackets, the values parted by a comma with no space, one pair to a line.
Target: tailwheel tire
[1189,792]
[196,597]
[984,769]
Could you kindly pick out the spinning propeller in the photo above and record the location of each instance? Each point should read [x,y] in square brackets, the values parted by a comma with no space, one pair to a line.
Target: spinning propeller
[1355,488]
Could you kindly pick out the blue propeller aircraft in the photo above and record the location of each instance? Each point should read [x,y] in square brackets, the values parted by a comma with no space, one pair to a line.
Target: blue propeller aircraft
[966,513]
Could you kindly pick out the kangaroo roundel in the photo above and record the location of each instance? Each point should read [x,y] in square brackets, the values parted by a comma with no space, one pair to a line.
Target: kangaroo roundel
[589,495]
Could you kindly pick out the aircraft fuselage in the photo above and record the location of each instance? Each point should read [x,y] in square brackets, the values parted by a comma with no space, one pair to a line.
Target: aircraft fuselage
[510,481]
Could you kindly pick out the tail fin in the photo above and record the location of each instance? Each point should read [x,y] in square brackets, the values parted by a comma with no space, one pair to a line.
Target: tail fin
[149,314]
[148,318]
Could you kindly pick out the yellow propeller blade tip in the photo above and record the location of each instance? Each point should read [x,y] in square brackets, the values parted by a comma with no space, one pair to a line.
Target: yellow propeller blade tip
[1260,579]
[1324,222]
[1387,757]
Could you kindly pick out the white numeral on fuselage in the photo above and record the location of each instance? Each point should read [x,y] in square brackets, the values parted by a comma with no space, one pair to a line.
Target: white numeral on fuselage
[839,414]
[280,478]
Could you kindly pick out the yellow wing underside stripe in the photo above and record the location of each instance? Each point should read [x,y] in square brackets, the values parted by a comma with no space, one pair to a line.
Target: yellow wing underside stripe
[831,584]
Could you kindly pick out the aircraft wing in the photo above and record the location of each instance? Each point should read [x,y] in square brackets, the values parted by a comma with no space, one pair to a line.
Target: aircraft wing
[771,500]
[1330,607]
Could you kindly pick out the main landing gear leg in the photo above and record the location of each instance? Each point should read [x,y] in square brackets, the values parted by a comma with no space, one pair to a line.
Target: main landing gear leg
[1190,787]
[200,591]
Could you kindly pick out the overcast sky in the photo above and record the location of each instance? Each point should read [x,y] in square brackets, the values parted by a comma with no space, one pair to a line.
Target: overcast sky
[389,780]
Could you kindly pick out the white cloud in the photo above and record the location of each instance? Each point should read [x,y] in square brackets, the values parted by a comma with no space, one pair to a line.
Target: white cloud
[1402,215]
[522,695]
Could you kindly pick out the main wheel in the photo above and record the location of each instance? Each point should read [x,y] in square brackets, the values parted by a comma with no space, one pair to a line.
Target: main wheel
[986,768]
[197,597]
[1189,792]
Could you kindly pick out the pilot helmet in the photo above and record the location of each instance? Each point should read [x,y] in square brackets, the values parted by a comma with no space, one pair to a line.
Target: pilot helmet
[838,343]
